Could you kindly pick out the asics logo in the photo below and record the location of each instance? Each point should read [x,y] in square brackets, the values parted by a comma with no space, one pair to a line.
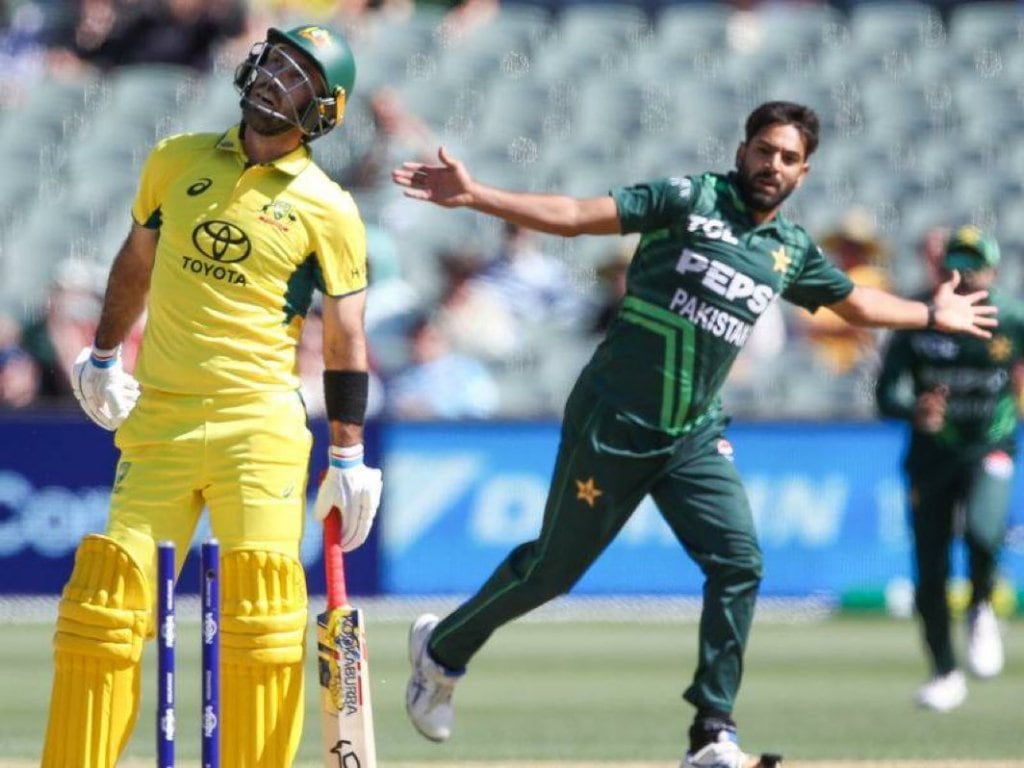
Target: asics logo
[198,187]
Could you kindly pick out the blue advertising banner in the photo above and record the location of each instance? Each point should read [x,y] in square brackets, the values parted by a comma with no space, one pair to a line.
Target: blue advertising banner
[56,469]
[828,500]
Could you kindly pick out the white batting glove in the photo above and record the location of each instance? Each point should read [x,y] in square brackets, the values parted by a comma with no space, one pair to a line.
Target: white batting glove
[105,391]
[354,489]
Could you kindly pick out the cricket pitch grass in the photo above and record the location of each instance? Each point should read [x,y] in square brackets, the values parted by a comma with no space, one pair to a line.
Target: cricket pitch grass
[831,693]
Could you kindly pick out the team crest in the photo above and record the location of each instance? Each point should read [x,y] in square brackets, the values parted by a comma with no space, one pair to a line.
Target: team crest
[1000,349]
[279,210]
[277,214]
[318,36]
[725,449]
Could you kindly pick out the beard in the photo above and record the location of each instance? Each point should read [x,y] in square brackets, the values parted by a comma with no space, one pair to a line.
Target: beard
[261,120]
[761,198]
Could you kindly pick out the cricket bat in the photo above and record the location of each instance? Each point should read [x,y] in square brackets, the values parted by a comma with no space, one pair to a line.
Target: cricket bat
[346,714]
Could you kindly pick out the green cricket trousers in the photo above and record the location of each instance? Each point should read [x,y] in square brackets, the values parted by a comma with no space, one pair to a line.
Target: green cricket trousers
[976,481]
[606,465]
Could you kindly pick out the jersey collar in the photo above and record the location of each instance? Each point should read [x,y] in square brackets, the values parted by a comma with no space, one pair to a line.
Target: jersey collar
[293,163]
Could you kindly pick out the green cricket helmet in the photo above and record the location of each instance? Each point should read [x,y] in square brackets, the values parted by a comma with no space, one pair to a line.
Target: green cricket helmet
[969,248]
[314,107]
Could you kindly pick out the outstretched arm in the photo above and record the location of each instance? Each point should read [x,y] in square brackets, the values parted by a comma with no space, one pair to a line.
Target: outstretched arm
[450,185]
[949,311]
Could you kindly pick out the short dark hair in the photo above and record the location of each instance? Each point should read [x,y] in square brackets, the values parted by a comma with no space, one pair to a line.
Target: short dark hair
[786,113]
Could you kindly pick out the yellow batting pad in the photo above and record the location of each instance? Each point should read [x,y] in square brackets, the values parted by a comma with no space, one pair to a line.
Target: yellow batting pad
[101,627]
[263,624]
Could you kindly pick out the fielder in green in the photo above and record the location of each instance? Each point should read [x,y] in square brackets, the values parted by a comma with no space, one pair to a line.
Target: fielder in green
[963,407]
[644,417]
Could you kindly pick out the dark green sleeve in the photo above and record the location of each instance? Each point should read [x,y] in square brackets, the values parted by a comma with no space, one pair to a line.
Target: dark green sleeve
[819,282]
[890,394]
[653,205]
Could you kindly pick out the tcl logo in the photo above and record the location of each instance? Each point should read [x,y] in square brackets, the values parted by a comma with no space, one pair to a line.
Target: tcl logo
[713,229]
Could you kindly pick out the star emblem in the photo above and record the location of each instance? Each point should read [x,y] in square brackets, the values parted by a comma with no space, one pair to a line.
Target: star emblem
[782,260]
[1000,349]
[587,490]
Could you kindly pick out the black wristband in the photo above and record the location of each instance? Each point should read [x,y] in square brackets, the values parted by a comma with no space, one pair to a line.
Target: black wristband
[345,395]
[931,316]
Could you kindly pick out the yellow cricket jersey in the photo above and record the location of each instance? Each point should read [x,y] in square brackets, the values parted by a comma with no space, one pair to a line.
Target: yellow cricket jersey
[241,249]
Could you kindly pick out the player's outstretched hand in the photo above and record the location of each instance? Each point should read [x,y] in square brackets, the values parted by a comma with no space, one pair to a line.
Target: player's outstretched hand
[963,312]
[354,489]
[106,392]
[448,184]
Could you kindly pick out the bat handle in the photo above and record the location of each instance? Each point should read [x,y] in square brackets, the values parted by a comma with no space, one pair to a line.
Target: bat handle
[334,561]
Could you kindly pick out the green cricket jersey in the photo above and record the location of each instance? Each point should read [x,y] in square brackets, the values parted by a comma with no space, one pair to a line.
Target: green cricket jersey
[701,276]
[981,407]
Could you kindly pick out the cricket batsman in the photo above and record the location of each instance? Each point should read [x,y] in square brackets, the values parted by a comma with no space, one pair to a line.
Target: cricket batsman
[963,410]
[231,234]
[645,417]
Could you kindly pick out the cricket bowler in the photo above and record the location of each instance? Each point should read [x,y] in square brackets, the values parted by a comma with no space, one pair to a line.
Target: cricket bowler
[231,235]
[644,416]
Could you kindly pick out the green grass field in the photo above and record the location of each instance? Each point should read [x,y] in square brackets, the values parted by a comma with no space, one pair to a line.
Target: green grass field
[839,689]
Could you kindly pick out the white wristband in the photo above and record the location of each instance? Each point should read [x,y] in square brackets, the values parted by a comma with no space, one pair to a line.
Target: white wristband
[104,358]
[346,457]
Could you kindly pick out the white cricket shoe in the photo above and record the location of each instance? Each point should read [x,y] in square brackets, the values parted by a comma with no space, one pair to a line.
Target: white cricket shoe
[723,753]
[984,645]
[943,692]
[428,696]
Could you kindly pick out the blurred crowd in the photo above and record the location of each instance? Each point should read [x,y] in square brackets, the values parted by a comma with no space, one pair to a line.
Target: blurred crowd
[38,37]
[470,348]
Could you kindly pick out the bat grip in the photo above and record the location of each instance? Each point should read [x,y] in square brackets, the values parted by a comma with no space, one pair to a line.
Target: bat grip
[334,561]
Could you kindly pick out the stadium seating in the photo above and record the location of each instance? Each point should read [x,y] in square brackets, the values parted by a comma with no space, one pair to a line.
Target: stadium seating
[982,26]
[895,26]
[691,27]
